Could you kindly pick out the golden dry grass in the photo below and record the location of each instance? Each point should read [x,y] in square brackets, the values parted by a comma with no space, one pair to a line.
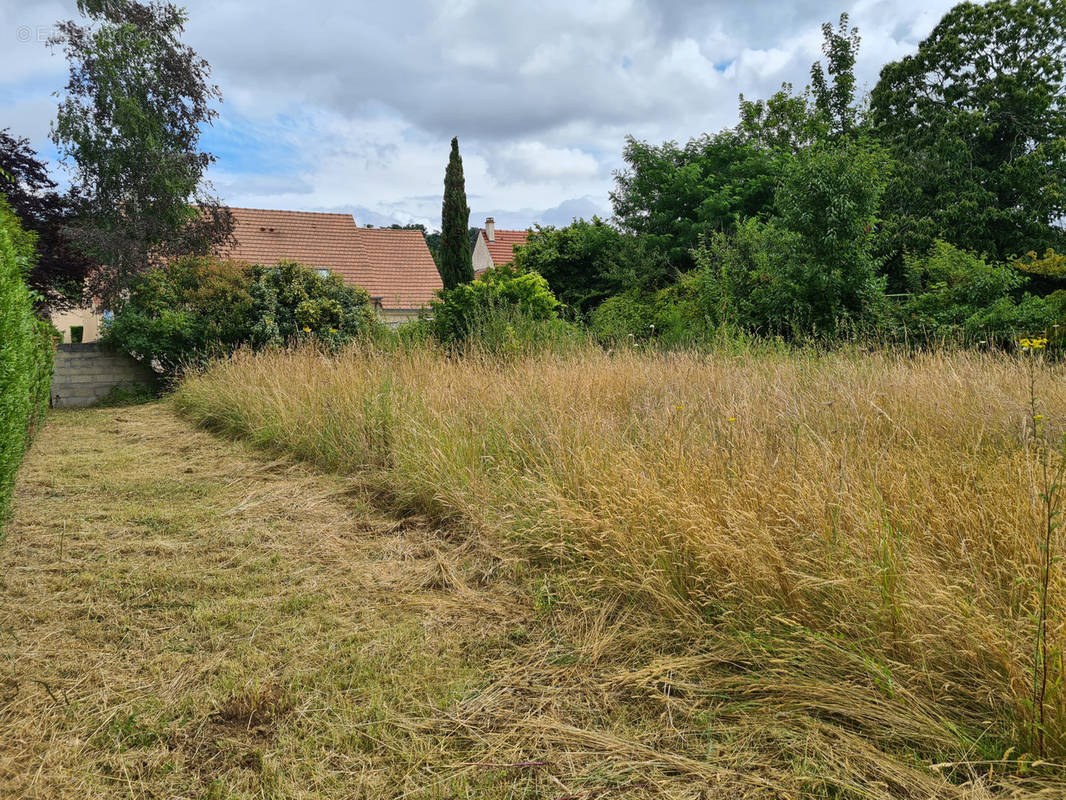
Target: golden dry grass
[776,575]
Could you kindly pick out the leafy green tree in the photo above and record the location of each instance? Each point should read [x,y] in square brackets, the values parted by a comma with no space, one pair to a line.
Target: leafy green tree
[835,98]
[830,198]
[671,196]
[813,269]
[975,119]
[455,264]
[784,122]
[584,263]
[130,121]
[827,109]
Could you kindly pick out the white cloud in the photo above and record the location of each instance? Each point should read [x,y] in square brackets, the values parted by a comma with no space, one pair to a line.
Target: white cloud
[353,104]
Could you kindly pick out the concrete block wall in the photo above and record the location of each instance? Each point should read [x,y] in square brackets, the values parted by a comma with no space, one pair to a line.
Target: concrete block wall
[84,374]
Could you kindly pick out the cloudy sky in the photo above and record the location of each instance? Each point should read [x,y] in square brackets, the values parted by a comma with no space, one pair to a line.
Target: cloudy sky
[335,105]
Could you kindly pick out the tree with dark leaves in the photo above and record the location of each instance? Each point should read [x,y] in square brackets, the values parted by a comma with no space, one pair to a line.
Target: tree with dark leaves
[59,272]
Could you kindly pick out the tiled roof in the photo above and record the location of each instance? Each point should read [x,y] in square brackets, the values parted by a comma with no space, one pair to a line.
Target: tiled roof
[502,250]
[393,265]
[404,273]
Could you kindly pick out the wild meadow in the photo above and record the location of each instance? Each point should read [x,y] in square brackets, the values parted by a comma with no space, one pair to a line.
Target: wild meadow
[834,573]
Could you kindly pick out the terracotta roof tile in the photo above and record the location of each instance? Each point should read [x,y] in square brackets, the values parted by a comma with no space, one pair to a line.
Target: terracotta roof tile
[502,249]
[393,265]
[404,273]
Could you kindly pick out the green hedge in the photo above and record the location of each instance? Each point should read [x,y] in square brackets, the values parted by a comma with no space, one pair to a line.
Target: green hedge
[25,354]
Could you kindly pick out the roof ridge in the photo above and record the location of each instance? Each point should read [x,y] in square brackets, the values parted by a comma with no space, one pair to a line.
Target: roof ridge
[349,215]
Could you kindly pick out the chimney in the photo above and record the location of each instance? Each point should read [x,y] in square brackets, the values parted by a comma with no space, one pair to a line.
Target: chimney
[490,229]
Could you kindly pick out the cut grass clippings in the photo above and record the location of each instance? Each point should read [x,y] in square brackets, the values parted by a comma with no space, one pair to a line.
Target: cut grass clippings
[180,618]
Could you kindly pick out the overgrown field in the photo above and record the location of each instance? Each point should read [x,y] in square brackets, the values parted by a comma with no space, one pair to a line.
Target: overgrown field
[819,574]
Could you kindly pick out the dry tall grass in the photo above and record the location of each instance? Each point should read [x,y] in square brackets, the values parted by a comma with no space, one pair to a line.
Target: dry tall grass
[828,565]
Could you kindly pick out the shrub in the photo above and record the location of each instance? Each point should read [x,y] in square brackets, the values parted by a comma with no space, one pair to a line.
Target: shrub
[747,279]
[504,309]
[77,333]
[624,316]
[957,294]
[184,313]
[291,302]
[25,353]
[584,263]
[199,308]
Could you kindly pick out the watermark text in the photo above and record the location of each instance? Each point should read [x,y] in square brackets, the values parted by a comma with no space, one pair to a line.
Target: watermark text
[35,33]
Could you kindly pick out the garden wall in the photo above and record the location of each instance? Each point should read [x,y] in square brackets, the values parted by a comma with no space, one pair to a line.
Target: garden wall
[86,373]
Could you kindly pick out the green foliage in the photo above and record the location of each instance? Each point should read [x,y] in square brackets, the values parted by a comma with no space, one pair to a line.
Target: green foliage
[198,308]
[672,196]
[684,314]
[835,100]
[829,198]
[1049,265]
[976,120]
[827,110]
[502,307]
[292,302]
[784,122]
[454,260]
[624,316]
[798,218]
[812,269]
[745,279]
[959,295]
[130,119]
[584,263]
[26,347]
[184,313]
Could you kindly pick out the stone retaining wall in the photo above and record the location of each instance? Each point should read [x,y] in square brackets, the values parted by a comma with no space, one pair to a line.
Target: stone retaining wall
[84,374]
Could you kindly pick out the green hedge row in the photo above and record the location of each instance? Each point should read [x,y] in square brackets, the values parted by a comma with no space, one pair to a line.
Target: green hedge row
[25,354]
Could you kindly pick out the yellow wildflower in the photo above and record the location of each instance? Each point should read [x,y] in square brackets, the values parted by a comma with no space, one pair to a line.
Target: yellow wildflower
[1034,343]
[731,419]
[307,330]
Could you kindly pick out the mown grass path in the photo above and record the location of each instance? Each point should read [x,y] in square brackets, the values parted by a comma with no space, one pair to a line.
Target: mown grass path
[181,617]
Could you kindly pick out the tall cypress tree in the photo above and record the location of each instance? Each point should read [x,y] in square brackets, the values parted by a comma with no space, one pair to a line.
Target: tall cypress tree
[455,265]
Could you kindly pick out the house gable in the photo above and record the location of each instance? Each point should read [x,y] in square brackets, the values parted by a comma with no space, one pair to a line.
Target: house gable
[495,247]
